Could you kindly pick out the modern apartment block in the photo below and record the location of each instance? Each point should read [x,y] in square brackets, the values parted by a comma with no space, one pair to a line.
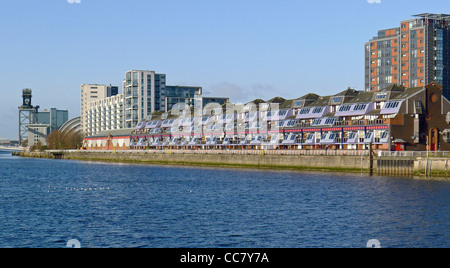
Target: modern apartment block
[412,55]
[144,93]
[182,94]
[105,114]
[91,93]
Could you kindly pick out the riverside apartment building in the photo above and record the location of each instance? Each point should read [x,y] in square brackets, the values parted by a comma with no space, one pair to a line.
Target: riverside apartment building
[413,55]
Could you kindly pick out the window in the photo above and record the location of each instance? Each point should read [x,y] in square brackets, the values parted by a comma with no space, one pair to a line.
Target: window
[345,108]
[305,111]
[291,123]
[368,137]
[317,122]
[381,96]
[359,107]
[317,110]
[330,121]
[384,137]
[282,113]
[298,103]
[391,105]
[352,136]
[446,135]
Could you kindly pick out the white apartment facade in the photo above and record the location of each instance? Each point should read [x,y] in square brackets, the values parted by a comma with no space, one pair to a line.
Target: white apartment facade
[92,93]
[144,92]
[105,114]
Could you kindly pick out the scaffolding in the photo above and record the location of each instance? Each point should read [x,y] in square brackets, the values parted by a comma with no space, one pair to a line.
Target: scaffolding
[443,20]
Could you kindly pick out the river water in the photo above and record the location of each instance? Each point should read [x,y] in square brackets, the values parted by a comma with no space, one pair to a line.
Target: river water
[46,203]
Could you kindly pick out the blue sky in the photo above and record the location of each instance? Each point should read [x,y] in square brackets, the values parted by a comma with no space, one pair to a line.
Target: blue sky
[242,49]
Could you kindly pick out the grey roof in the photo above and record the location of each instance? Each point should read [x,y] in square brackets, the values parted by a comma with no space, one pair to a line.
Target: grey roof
[408,93]
[286,104]
[321,101]
[349,92]
[362,97]
[310,97]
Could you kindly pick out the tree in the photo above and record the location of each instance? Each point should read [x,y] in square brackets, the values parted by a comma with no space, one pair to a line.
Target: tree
[58,140]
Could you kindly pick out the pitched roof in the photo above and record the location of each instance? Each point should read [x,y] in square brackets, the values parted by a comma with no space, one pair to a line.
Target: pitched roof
[322,101]
[310,96]
[408,93]
[362,97]
[286,104]
[277,100]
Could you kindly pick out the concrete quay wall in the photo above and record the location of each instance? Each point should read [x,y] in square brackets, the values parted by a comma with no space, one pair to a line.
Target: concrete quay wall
[432,167]
[261,161]
[421,167]
[349,163]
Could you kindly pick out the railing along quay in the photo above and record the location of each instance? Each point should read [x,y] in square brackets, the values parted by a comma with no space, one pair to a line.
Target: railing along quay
[258,152]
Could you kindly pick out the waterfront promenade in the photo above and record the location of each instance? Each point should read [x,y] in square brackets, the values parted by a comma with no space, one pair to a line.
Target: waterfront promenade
[11,149]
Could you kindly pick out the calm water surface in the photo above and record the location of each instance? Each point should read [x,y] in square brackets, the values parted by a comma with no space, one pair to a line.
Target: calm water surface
[45,203]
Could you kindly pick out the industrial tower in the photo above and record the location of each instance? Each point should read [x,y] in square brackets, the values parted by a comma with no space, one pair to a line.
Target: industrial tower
[27,114]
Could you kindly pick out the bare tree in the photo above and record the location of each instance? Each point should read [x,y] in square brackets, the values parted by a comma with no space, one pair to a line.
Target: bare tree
[64,140]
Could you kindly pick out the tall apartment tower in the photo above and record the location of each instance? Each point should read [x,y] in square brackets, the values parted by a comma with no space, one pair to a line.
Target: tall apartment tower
[144,93]
[412,55]
[91,93]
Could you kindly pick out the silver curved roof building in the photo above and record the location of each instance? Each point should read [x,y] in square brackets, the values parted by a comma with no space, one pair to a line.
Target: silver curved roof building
[73,124]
